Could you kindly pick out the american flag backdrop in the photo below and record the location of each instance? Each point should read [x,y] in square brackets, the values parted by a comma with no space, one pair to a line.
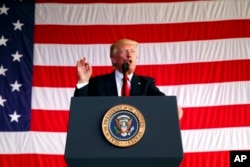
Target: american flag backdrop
[196,50]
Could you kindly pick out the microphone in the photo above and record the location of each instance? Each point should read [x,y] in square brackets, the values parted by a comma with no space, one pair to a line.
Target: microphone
[125,66]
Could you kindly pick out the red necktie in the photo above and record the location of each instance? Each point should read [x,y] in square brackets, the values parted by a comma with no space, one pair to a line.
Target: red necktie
[125,87]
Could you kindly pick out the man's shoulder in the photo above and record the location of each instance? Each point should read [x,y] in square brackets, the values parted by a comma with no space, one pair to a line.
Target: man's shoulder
[102,77]
[144,78]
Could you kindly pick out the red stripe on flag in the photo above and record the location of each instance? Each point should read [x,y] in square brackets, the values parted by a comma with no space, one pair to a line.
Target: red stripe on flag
[216,117]
[206,159]
[93,34]
[32,160]
[194,118]
[174,74]
[50,121]
[48,76]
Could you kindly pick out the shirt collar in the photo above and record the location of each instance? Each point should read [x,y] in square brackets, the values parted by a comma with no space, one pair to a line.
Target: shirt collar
[119,75]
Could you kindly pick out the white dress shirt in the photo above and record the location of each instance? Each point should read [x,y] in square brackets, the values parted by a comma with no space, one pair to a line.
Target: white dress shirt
[119,81]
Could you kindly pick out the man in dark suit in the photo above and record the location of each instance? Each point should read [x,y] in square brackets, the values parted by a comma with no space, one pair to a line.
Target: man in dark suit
[122,51]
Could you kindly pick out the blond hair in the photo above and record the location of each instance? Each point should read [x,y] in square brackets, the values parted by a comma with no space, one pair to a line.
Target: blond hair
[120,42]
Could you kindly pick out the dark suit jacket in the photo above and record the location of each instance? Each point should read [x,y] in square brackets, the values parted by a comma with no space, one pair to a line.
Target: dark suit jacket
[105,85]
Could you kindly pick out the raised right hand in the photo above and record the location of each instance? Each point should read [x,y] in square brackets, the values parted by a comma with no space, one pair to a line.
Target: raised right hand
[84,70]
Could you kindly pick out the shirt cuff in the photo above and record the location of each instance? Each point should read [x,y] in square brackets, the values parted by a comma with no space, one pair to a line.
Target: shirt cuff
[81,85]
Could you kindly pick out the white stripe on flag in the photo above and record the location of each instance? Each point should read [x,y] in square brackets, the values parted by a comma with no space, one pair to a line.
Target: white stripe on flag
[237,93]
[206,140]
[167,53]
[220,139]
[72,14]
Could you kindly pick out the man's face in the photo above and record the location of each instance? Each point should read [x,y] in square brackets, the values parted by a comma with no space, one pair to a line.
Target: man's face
[125,53]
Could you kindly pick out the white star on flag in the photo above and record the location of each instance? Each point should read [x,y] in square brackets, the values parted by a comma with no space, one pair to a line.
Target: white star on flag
[15,86]
[2,101]
[3,10]
[14,117]
[17,56]
[3,41]
[2,70]
[18,25]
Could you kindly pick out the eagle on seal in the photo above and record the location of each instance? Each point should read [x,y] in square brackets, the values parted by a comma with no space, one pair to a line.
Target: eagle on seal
[123,126]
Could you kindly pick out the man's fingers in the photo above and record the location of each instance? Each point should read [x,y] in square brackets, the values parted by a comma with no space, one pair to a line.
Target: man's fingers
[90,69]
[180,111]
[82,62]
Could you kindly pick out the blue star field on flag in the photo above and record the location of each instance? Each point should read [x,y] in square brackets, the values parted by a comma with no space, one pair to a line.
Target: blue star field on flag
[16,63]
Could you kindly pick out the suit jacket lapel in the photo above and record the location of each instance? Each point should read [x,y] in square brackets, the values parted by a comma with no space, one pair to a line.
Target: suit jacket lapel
[110,85]
[135,86]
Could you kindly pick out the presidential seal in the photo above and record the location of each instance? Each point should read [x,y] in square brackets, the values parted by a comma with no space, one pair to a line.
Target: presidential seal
[123,125]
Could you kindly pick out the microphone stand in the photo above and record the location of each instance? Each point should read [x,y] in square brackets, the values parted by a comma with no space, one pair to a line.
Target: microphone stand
[125,67]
